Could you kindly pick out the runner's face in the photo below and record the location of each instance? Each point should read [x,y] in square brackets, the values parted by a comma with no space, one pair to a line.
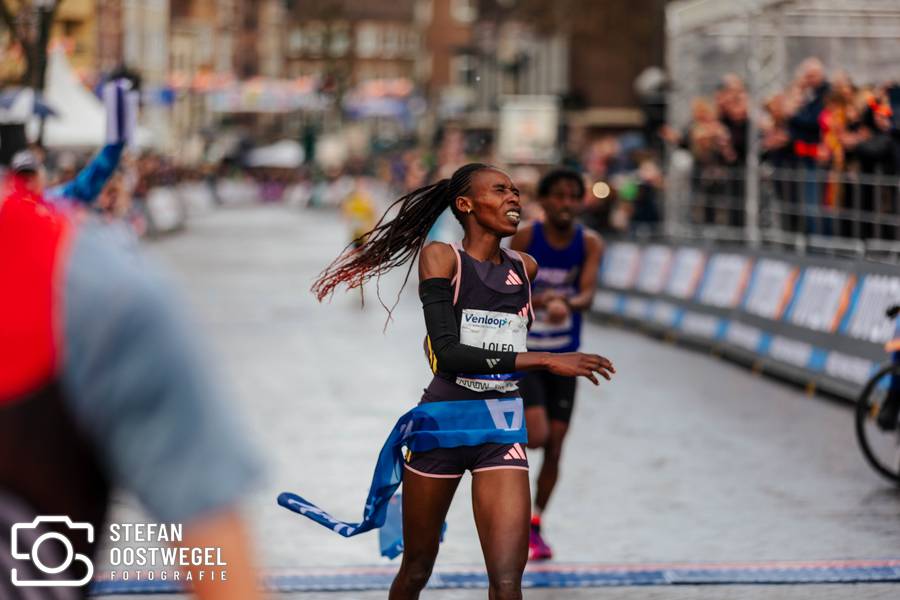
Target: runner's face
[563,203]
[493,202]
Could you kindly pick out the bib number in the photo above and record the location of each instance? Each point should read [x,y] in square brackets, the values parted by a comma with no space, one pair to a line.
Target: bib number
[497,332]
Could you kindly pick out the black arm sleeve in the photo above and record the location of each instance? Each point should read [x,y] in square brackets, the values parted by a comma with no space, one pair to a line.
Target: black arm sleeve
[443,330]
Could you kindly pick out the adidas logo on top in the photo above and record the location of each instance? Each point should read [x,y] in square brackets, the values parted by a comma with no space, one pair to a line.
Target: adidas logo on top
[512,278]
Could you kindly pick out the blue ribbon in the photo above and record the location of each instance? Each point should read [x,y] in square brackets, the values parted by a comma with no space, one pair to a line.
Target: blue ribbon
[425,427]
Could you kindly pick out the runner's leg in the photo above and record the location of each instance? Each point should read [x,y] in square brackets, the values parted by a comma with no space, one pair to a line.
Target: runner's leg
[501,503]
[538,426]
[549,472]
[425,504]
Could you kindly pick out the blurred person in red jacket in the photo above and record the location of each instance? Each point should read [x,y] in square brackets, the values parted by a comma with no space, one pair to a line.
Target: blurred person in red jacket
[103,386]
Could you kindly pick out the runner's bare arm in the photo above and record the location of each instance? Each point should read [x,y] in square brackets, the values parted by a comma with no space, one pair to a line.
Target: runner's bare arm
[587,285]
[522,238]
[437,259]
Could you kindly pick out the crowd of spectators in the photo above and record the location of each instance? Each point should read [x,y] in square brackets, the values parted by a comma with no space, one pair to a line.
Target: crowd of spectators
[831,149]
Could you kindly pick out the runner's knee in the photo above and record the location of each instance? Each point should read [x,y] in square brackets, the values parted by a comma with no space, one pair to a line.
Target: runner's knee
[553,451]
[506,585]
[416,572]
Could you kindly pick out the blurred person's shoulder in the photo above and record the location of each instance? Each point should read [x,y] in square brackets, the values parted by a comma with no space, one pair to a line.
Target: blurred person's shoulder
[136,373]
[106,257]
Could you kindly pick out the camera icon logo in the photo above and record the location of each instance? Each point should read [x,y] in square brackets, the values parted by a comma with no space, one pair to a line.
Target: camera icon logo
[69,554]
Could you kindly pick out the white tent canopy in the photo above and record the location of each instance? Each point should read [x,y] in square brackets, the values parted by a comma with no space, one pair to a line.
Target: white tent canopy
[286,154]
[80,119]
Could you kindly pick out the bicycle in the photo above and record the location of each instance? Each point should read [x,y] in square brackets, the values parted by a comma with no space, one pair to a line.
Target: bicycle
[878,415]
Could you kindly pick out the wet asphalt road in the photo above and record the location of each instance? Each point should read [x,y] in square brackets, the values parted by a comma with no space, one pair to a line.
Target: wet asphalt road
[683,457]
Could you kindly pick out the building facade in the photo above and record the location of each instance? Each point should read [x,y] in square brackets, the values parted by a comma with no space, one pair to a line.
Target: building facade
[349,42]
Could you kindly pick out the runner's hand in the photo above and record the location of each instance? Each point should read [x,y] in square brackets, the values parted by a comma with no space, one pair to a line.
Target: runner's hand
[557,311]
[542,299]
[579,364]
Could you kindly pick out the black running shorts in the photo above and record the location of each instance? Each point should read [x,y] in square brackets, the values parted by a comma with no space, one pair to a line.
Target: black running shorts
[554,392]
[453,462]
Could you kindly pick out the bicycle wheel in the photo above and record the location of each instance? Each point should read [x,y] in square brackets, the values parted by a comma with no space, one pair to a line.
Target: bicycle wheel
[880,447]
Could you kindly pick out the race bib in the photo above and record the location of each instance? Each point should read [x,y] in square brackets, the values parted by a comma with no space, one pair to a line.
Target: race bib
[550,336]
[543,325]
[498,332]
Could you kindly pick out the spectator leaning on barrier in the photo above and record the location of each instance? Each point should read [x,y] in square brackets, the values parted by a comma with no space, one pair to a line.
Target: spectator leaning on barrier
[816,135]
[838,141]
[775,146]
[731,104]
[731,100]
[709,144]
[876,156]
[812,87]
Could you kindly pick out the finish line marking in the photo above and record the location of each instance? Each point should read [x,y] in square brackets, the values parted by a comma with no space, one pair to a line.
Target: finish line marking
[558,575]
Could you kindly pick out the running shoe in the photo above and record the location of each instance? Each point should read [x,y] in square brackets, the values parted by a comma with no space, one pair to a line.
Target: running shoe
[537,547]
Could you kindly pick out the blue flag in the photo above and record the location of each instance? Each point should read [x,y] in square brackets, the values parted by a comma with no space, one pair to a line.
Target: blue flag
[425,427]
[390,535]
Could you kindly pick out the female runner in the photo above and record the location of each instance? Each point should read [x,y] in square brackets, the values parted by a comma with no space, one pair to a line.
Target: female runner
[476,300]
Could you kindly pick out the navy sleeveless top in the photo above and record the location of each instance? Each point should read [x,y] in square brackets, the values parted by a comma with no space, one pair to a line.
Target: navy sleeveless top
[492,303]
[559,270]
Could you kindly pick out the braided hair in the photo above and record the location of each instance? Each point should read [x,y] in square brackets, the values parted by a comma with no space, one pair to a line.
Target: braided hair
[396,242]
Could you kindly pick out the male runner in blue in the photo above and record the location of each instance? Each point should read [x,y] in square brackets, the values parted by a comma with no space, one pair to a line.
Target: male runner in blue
[568,257]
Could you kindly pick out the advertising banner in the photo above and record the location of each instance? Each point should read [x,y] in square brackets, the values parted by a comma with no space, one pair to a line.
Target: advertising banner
[528,129]
[621,262]
[812,319]
[725,280]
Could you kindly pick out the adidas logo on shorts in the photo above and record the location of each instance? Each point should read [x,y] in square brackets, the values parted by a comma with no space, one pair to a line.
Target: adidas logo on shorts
[515,453]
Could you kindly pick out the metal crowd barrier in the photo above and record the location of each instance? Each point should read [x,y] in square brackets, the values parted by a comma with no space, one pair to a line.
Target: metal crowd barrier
[816,320]
[845,212]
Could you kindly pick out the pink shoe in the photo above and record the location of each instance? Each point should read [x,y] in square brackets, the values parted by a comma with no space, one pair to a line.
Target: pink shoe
[537,547]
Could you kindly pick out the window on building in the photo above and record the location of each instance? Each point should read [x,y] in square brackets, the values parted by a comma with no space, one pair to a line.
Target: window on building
[295,41]
[464,11]
[204,43]
[463,69]
[368,42]
[391,45]
[340,40]
[412,42]
[314,39]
